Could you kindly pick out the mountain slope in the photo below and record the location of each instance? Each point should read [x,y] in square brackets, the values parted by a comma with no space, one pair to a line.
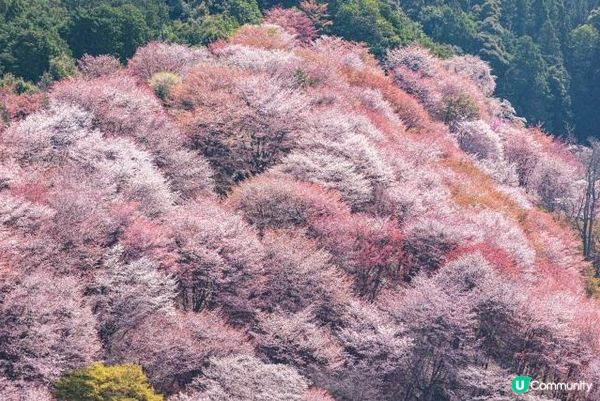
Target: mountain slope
[544,52]
[285,220]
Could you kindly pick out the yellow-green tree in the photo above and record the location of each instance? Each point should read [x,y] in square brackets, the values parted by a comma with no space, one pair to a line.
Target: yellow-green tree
[99,382]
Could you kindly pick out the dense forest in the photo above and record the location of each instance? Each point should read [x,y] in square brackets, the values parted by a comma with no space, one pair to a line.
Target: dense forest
[283,216]
[282,201]
[545,53]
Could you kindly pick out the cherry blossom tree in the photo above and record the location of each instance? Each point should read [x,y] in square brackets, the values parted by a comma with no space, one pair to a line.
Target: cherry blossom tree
[221,260]
[294,339]
[300,276]
[119,106]
[15,106]
[23,391]
[339,155]
[97,66]
[242,126]
[449,97]
[377,351]
[46,327]
[442,328]
[247,378]
[278,64]
[477,138]
[292,20]
[165,57]
[266,36]
[475,69]
[414,58]
[278,201]
[175,348]
[315,394]
[370,249]
[127,293]
[553,181]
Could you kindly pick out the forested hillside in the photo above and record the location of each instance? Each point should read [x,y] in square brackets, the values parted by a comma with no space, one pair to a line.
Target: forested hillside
[545,53]
[282,216]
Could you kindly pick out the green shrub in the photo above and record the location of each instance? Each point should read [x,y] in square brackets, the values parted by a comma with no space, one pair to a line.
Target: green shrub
[62,66]
[458,108]
[17,85]
[99,382]
[303,79]
[163,83]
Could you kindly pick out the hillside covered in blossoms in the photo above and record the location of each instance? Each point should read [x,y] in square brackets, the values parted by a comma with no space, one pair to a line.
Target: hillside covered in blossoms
[280,216]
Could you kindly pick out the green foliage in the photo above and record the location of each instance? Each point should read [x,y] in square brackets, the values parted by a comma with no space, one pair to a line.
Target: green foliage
[27,43]
[17,84]
[62,66]
[9,9]
[214,27]
[163,83]
[105,29]
[243,11]
[558,103]
[458,108]
[37,36]
[591,280]
[201,31]
[375,23]
[548,74]
[155,12]
[583,43]
[451,25]
[361,20]
[584,67]
[303,79]
[210,20]
[106,383]
[526,82]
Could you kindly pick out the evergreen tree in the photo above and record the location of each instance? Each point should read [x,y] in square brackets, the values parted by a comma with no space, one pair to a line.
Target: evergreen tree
[105,29]
[584,66]
[451,25]
[526,81]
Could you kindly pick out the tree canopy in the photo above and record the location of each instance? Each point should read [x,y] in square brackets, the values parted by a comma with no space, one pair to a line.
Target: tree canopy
[99,382]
